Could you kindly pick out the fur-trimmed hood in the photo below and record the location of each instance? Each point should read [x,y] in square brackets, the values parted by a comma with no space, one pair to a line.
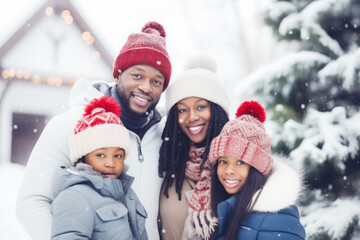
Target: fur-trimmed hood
[281,190]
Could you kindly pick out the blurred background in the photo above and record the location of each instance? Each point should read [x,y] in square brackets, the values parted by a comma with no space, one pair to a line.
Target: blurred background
[299,58]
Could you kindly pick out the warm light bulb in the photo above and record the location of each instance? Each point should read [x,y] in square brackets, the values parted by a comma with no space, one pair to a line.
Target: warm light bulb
[95,54]
[26,75]
[19,73]
[36,79]
[86,35]
[12,73]
[65,13]
[51,81]
[90,40]
[5,74]
[58,81]
[49,11]
[69,20]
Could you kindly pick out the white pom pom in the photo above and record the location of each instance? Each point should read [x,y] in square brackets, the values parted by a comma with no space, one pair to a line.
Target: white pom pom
[203,62]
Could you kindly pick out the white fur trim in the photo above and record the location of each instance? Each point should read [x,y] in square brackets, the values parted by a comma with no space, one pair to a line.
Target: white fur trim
[99,136]
[198,82]
[281,190]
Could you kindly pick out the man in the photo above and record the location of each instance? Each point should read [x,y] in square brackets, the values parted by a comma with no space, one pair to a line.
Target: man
[142,72]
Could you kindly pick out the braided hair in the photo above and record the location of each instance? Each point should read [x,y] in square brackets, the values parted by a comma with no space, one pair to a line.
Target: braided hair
[174,151]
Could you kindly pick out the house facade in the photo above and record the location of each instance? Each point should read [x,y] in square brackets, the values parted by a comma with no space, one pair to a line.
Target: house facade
[38,66]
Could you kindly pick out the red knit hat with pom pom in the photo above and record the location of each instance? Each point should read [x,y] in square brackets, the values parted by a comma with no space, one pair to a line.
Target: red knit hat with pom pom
[245,138]
[99,127]
[147,47]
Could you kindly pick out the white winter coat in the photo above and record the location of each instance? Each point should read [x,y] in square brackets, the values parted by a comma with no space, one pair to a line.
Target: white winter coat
[52,151]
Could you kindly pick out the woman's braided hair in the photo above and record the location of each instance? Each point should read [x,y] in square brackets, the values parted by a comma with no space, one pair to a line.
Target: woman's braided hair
[174,151]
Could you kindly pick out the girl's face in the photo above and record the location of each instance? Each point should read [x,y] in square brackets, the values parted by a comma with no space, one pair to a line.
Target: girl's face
[193,118]
[232,173]
[108,161]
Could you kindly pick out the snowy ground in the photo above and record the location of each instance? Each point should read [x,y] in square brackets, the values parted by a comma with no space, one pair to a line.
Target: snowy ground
[10,179]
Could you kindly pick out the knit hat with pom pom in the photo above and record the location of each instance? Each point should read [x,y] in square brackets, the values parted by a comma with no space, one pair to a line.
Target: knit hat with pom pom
[199,79]
[99,127]
[147,47]
[245,138]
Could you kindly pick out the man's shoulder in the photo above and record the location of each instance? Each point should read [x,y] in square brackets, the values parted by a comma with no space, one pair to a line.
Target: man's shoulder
[84,91]
[70,116]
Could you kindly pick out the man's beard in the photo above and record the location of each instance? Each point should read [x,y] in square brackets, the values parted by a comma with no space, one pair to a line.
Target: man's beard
[125,103]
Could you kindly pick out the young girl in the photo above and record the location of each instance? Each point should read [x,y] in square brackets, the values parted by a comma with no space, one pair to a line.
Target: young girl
[252,195]
[197,108]
[94,199]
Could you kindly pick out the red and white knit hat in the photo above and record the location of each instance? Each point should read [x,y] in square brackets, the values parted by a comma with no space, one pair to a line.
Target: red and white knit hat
[245,138]
[99,127]
[147,47]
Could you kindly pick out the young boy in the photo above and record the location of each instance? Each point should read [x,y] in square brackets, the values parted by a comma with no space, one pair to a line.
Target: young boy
[93,198]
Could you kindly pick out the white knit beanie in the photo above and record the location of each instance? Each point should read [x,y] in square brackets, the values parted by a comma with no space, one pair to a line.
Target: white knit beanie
[99,127]
[199,79]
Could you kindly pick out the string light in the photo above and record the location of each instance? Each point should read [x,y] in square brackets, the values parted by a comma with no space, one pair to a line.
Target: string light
[49,11]
[36,79]
[11,73]
[96,55]
[26,75]
[58,81]
[86,35]
[69,20]
[19,74]
[5,74]
[51,81]
[65,14]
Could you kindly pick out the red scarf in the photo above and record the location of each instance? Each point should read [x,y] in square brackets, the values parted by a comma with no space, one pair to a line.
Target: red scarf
[200,220]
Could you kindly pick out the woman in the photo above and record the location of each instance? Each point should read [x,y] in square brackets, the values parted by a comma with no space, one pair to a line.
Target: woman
[197,108]
[252,195]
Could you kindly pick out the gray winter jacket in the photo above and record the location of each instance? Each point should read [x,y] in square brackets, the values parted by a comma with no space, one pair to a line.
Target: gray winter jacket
[88,206]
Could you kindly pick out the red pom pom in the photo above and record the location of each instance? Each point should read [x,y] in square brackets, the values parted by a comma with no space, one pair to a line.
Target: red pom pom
[252,108]
[107,103]
[154,25]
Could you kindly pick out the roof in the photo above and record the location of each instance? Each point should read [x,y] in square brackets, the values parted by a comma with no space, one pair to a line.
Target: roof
[55,46]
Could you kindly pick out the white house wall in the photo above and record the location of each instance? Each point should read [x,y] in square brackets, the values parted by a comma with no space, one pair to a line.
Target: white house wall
[25,97]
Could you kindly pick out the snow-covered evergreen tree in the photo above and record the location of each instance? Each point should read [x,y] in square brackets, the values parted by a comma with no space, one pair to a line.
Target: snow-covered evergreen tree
[312,97]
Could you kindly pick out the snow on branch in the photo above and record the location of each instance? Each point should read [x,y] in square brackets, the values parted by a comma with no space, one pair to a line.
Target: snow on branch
[278,10]
[334,220]
[307,22]
[326,135]
[346,68]
[279,76]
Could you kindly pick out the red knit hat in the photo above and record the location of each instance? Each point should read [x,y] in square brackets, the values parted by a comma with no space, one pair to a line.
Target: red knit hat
[147,47]
[99,127]
[245,138]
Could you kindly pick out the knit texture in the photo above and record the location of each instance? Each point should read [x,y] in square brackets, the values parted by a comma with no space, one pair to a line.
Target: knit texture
[245,138]
[198,80]
[200,220]
[147,47]
[99,127]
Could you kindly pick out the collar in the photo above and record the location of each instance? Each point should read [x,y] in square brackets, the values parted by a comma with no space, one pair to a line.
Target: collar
[129,119]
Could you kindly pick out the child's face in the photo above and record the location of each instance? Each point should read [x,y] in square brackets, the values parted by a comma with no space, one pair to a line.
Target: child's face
[108,161]
[194,117]
[232,173]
